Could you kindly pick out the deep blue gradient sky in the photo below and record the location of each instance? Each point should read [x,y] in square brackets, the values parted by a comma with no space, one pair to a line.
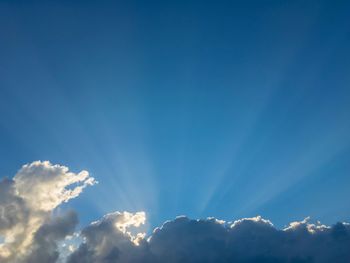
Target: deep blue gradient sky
[226,109]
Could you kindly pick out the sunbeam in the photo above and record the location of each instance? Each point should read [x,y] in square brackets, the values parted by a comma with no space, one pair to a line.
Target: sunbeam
[181,122]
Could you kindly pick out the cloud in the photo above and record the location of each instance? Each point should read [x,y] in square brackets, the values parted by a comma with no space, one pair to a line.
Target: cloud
[109,240]
[44,186]
[44,247]
[211,240]
[26,205]
[33,233]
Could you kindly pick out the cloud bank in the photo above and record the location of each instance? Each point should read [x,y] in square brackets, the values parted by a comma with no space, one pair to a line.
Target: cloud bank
[32,233]
[211,240]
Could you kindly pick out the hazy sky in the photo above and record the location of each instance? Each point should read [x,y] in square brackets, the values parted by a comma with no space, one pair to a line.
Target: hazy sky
[203,108]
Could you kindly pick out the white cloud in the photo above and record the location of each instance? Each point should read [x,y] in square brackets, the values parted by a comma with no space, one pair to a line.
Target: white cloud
[26,204]
[44,186]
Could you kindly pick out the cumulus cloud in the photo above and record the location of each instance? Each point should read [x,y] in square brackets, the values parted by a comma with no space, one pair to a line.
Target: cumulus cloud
[211,240]
[44,186]
[109,240]
[44,247]
[26,205]
[32,233]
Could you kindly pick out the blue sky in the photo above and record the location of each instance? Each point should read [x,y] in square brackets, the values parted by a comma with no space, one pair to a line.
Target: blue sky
[226,109]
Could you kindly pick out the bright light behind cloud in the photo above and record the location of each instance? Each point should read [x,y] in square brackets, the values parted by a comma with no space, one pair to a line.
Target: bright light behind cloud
[123,221]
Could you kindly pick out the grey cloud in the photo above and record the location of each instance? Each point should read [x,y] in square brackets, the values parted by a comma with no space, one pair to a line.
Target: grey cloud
[105,241]
[44,248]
[210,240]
